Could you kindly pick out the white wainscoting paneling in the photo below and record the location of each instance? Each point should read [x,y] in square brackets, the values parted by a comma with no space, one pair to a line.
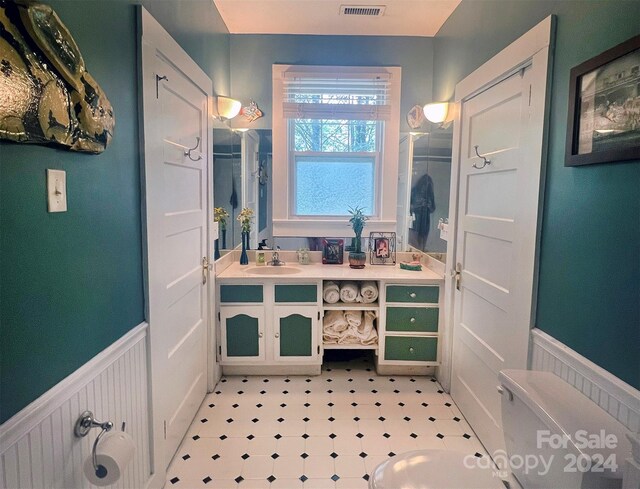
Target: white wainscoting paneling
[37,446]
[612,394]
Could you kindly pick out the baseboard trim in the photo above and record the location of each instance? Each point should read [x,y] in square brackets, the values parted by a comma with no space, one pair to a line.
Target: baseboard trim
[33,414]
[615,396]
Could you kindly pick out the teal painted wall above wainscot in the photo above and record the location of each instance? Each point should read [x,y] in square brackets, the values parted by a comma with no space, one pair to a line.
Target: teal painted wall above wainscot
[589,283]
[72,283]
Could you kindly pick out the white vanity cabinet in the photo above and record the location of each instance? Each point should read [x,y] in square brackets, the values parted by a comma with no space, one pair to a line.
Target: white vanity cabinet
[273,325]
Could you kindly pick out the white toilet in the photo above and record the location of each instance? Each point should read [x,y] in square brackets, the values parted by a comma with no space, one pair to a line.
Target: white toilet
[535,407]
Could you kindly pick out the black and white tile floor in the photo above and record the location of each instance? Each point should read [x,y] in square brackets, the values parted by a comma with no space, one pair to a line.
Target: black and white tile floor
[328,431]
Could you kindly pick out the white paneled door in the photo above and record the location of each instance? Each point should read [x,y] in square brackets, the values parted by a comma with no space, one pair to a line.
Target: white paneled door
[177,186]
[498,204]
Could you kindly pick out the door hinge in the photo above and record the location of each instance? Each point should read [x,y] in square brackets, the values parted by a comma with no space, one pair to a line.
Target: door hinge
[220,350]
[158,79]
[165,429]
[206,267]
[318,349]
[318,314]
[219,317]
[457,275]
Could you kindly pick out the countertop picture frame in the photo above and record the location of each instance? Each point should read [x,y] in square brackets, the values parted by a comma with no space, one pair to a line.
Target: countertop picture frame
[382,248]
[332,251]
[604,107]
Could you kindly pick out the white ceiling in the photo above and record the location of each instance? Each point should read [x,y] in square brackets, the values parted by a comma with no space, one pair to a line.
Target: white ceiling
[401,17]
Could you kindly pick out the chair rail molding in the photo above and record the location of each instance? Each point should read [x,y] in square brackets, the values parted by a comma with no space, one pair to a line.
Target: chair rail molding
[613,395]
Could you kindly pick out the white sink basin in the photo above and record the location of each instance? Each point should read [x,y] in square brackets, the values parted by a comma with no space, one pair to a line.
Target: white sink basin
[271,270]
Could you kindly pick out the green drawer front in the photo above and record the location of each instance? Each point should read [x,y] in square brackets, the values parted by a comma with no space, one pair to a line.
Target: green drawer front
[411,349]
[296,293]
[241,293]
[242,336]
[413,293]
[423,319]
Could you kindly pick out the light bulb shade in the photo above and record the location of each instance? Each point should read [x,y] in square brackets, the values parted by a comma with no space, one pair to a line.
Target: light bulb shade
[436,112]
[227,107]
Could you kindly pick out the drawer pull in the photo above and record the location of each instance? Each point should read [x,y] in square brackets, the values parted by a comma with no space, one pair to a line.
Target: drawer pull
[411,349]
[277,335]
[412,320]
[260,334]
[412,295]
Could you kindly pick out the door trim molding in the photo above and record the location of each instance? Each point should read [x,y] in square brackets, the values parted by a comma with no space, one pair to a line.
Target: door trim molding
[153,37]
[532,48]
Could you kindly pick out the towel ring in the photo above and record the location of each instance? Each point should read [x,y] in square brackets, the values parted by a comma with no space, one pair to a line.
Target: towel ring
[485,161]
[188,152]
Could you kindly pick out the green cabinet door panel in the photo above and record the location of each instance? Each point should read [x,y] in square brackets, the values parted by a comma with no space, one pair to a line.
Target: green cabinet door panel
[412,349]
[241,293]
[423,319]
[413,293]
[242,336]
[295,336]
[296,293]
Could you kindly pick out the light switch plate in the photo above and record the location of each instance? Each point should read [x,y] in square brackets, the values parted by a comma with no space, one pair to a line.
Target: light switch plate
[214,230]
[57,190]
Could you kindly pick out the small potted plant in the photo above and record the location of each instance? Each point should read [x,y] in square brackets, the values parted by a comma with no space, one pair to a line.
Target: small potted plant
[357,257]
[220,216]
[245,217]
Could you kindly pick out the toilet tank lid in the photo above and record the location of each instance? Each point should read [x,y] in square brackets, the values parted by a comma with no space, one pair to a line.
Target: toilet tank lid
[564,409]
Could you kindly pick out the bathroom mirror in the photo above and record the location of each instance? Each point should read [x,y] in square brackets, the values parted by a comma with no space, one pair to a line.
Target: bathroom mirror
[242,169]
[242,164]
[424,178]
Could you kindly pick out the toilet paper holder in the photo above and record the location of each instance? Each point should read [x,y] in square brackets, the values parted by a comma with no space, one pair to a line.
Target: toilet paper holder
[85,422]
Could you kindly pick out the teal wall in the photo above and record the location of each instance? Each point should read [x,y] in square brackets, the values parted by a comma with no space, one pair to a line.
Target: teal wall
[253,55]
[72,283]
[589,288]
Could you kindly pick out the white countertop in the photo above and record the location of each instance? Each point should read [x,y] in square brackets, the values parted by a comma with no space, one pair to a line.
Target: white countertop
[318,271]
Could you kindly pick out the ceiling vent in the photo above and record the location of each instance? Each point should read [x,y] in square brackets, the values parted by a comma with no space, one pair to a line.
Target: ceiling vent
[363,10]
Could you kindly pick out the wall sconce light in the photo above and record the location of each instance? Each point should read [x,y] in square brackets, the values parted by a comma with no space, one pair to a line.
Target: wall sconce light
[227,108]
[436,112]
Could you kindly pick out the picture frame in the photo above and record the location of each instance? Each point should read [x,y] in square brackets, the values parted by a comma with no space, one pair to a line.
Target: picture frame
[604,107]
[332,251]
[382,248]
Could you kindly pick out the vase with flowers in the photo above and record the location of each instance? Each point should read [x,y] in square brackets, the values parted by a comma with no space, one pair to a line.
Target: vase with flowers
[357,257]
[245,218]
[220,216]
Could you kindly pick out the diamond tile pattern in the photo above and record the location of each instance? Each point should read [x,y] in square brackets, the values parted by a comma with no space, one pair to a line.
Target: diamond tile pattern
[252,432]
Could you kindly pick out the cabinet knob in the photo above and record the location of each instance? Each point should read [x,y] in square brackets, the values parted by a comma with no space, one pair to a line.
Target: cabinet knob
[277,335]
[412,295]
[412,320]
[260,334]
[411,349]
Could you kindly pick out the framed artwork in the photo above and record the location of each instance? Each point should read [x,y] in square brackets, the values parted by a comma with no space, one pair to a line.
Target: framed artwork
[332,251]
[604,107]
[382,248]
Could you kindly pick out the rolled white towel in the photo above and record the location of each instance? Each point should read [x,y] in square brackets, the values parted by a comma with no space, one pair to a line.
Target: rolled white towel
[331,292]
[368,292]
[350,292]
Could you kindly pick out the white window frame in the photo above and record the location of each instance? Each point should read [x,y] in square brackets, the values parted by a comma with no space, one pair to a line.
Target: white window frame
[285,222]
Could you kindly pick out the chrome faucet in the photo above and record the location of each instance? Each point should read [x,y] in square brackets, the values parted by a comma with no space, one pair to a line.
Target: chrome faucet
[275,258]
